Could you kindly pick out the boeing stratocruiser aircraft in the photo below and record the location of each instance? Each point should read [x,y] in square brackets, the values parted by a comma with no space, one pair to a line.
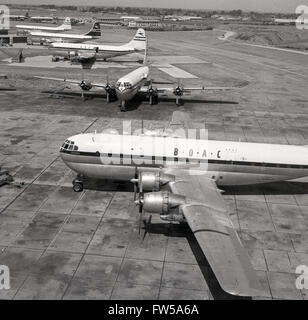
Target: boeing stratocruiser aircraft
[137,81]
[182,177]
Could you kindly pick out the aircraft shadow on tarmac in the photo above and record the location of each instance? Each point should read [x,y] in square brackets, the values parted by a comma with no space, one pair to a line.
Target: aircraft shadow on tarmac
[183,230]
[274,188]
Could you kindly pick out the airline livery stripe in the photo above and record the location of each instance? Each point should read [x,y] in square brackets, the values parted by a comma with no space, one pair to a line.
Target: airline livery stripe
[187,160]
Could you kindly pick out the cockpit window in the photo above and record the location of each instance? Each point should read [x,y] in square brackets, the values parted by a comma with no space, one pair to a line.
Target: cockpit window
[68,145]
[126,85]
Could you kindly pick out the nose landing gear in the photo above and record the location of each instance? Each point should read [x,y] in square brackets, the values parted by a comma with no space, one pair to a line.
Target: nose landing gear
[78,184]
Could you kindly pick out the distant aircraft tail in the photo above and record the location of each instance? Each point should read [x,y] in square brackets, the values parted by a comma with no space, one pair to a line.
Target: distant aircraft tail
[95,30]
[139,41]
[66,24]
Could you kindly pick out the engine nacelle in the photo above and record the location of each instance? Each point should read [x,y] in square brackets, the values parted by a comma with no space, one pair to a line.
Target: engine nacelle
[178,217]
[152,181]
[178,91]
[162,202]
[85,85]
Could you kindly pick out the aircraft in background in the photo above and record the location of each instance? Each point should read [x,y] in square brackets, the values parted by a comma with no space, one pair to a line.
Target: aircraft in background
[92,51]
[133,83]
[42,19]
[15,17]
[63,27]
[48,37]
[182,177]
[285,21]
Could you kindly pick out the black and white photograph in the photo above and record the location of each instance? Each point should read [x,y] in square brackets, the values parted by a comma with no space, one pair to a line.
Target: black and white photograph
[153,151]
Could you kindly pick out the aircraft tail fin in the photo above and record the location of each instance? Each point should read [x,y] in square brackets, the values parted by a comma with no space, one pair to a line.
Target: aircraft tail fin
[95,30]
[139,41]
[66,24]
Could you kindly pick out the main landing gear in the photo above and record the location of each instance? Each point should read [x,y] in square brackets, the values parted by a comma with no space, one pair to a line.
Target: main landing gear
[123,106]
[78,184]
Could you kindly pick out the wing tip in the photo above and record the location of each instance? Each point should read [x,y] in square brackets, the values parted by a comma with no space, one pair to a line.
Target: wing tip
[254,290]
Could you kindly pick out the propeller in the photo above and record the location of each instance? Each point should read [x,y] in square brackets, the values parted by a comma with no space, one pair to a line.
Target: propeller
[151,92]
[178,91]
[135,182]
[139,202]
[108,88]
[147,225]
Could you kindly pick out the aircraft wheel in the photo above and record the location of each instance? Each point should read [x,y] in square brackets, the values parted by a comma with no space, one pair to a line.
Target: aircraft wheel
[155,99]
[77,186]
[123,107]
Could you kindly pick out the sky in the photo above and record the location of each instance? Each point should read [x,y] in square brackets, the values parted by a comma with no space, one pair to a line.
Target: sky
[246,5]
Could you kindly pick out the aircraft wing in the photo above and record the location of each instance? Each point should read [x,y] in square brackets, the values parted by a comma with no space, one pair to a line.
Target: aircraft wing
[202,88]
[208,217]
[145,89]
[72,81]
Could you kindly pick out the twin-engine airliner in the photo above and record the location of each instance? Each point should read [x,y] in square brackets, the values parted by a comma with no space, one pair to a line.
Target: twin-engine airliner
[182,178]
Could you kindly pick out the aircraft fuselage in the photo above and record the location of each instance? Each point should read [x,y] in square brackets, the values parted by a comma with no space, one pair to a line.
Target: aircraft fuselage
[119,157]
[128,86]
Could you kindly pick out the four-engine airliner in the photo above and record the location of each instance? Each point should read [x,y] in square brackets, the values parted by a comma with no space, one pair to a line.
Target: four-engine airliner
[88,51]
[49,37]
[63,27]
[182,177]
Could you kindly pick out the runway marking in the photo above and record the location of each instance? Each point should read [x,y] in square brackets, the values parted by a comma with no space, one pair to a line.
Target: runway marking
[176,72]
[175,60]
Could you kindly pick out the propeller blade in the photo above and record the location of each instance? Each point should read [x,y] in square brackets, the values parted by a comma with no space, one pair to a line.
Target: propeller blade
[140,183]
[147,225]
[135,191]
[140,219]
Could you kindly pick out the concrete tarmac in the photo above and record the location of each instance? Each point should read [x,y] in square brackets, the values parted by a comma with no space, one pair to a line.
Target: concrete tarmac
[64,245]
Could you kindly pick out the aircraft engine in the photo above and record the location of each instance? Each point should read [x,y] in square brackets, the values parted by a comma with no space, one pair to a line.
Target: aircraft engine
[85,85]
[161,202]
[152,92]
[110,91]
[178,91]
[152,181]
[178,217]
